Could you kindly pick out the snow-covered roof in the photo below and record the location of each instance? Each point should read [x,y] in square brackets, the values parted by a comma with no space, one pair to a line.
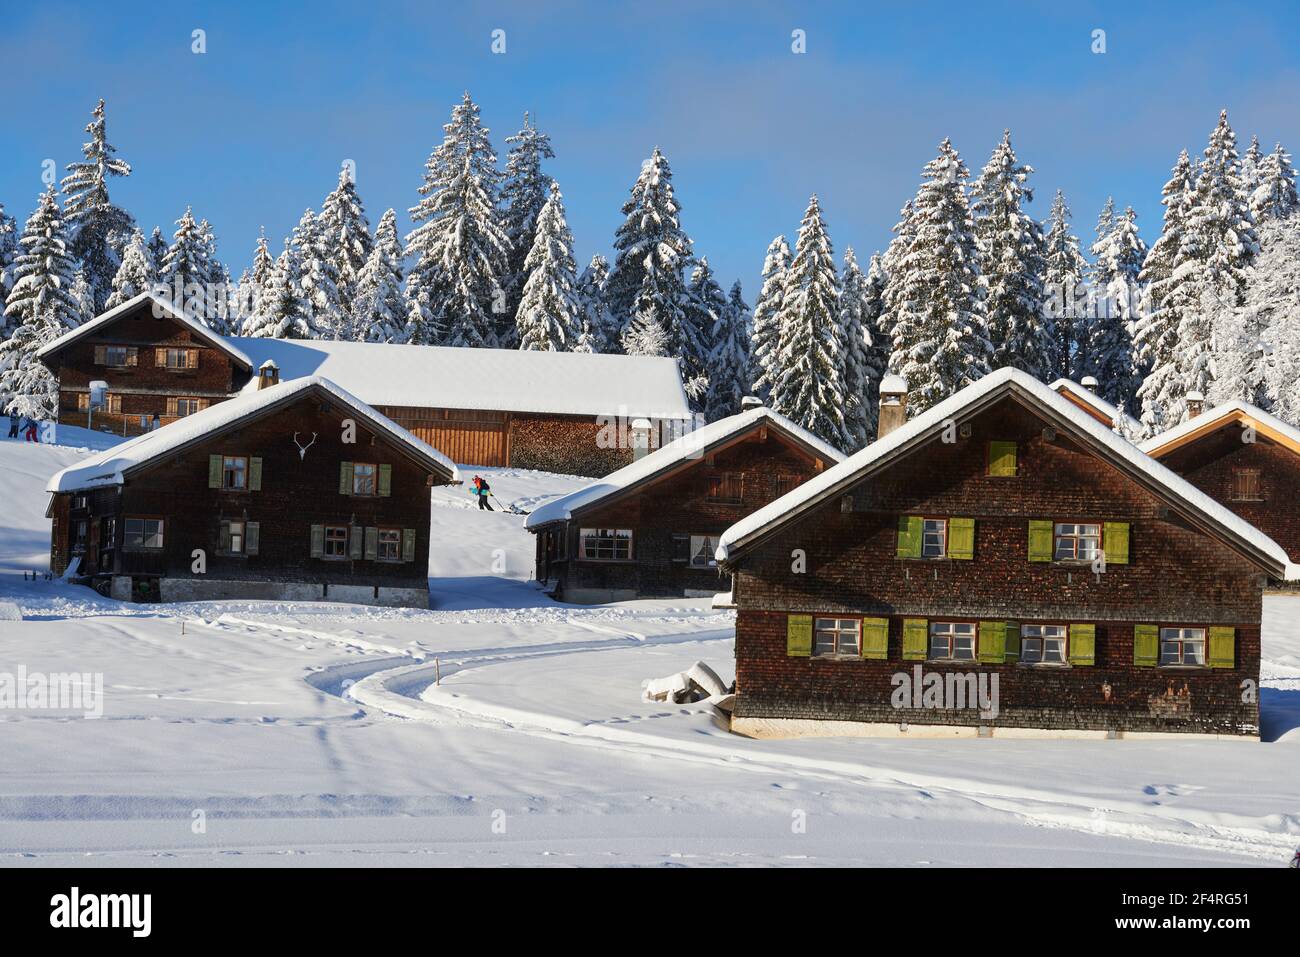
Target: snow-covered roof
[1211,420]
[507,380]
[929,423]
[1114,414]
[159,304]
[110,467]
[693,445]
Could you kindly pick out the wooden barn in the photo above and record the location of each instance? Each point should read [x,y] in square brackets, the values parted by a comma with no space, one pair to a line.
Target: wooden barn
[295,491]
[1243,457]
[155,360]
[568,412]
[1002,564]
[651,528]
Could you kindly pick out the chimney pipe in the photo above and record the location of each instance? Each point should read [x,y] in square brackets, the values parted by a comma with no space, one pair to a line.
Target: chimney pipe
[893,405]
[268,374]
[1195,404]
[1089,383]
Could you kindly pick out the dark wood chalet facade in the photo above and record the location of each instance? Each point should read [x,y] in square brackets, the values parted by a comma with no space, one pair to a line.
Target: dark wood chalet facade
[155,361]
[1002,564]
[297,491]
[650,529]
[1246,459]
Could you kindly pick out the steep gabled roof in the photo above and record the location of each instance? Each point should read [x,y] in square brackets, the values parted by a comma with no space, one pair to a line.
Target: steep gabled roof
[113,466]
[1118,419]
[1219,417]
[1197,507]
[692,446]
[507,380]
[158,304]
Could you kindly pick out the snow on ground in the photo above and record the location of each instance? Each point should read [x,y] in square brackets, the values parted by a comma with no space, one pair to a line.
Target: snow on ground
[314,734]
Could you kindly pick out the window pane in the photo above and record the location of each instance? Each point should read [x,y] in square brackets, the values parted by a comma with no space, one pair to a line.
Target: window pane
[963,647]
[1031,649]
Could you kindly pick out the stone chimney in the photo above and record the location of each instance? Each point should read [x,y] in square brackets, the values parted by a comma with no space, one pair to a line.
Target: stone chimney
[641,429]
[750,402]
[893,404]
[1089,383]
[268,374]
[1195,404]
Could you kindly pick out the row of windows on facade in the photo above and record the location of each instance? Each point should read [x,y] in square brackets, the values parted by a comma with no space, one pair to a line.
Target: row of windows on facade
[998,642]
[615,545]
[1049,540]
[164,357]
[243,473]
[241,537]
[175,407]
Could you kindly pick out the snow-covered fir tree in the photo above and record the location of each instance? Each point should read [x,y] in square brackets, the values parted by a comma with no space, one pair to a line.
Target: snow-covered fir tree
[1010,244]
[809,388]
[454,292]
[85,297]
[549,318]
[1098,276]
[135,275]
[157,250]
[729,358]
[320,280]
[1272,310]
[283,310]
[1064,293]
[651,253]
[861,367]
[379,309]
[706,304]
[41,306]
[255,280]
[8,254]
[936,312]
[600,331]
[1252,163]
[1155,334]
[99,230]
[873,315]
[345,235]
[185,267]
[1115,309]
[524,191]
[767,316]
[217,312]
[1275,192]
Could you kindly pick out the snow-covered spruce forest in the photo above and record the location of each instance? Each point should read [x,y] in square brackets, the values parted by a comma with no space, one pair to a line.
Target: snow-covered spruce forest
[970,282]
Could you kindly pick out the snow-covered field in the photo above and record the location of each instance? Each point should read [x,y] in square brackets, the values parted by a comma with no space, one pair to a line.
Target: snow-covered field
[282,734]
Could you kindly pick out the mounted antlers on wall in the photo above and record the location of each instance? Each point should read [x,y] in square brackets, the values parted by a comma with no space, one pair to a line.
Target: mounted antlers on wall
[302,449]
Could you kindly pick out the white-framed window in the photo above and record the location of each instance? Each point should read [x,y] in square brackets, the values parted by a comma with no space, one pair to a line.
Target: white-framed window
[836,636]
[1042,644]
[234,471]
[143,533]
[232,537]
[180,358]
[363,478]
[336,541]
[703,548]
[1077,541]
[389,545]
[934,537]
[1182,646]
[952,640]
[120,357]
[606,544]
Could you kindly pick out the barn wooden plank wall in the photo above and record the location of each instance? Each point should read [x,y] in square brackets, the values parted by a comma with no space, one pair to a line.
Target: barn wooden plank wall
[466,436]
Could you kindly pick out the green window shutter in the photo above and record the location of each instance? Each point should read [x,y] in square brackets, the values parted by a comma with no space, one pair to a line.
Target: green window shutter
[1002,459]
[875,638]
[993,642]
[1146,645]
[961,538]
[916,638]
[1114,542]
[252,537]
[255,474]
[1041,539]
[214,471]
[317,541]
[223,539]
[1083,644]
[909,536]
[1223,642]
[385,480]
[372,543]
[408,544]
[798,636]
[1013,642]
[355,542]
[345,478]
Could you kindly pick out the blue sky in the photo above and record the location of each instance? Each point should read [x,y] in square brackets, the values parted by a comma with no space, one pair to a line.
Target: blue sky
[253,131]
